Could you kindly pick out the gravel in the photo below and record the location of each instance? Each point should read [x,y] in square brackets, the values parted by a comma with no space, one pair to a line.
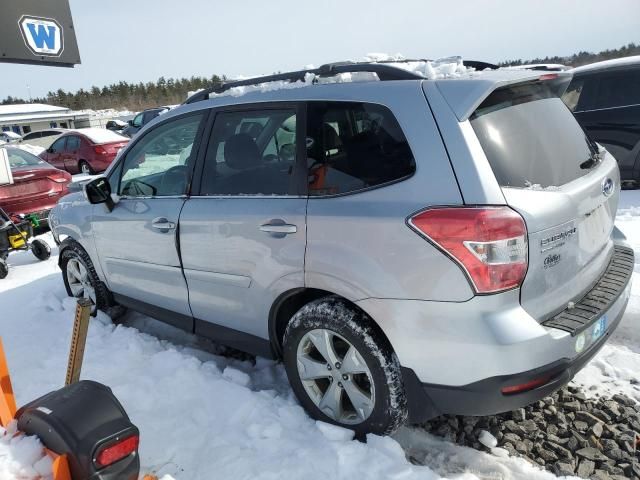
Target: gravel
[567,433]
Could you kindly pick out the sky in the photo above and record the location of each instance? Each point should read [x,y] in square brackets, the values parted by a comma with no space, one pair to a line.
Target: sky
[142,40]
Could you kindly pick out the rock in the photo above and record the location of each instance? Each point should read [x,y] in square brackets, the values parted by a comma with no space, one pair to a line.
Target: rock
[600,475]
[597,430]
[588,418]
[580,396]
[547,455]
[617,454]
[611,469]
[559,450]
[510,448]
[611,407]
[562,469]
[581,426]
[521,447]
[513,427]
[572,406]
[592,454]
[573,444]
[512,437]
[623,400]
[552,430]
[609,444]
[529,426]
[518,415]
[585,468]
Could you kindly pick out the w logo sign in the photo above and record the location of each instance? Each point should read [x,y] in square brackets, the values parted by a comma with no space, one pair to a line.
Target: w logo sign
[43,36]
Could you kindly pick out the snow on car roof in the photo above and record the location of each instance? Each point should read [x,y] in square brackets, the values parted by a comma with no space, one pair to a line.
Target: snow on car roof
[616,62]
[101,135]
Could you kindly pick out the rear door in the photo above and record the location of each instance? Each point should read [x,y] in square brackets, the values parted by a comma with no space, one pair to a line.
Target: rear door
[242,235]
[137,242]
[553,175]
[70,153]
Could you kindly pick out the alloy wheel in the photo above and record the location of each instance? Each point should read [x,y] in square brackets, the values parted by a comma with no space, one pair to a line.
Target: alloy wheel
[335,376]
[79,281]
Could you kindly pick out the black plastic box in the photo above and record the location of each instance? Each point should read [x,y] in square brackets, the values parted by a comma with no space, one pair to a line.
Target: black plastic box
[80,421]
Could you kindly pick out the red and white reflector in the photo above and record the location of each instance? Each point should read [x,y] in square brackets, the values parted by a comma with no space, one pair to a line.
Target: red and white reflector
[490,243]
[117,451]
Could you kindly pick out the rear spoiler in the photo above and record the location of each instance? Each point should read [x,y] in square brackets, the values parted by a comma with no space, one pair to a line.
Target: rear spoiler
[464,95]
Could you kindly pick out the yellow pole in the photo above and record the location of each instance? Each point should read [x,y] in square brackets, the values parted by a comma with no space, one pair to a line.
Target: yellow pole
[78,340]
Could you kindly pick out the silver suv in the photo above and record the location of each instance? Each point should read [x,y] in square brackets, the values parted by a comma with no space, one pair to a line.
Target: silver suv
[407,246]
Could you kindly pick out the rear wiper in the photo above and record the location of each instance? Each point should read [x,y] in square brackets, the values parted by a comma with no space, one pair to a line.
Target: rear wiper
[587,164]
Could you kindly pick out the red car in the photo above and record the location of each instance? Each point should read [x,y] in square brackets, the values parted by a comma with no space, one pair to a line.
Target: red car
[37,187]
[89,150]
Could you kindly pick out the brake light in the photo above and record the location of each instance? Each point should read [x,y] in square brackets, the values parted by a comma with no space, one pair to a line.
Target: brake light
[100,150]
[117,451]
[525,387]
[489,243]
[60,177]
[548,76]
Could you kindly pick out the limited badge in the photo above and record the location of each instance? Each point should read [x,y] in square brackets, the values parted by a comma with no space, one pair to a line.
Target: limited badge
[580,341]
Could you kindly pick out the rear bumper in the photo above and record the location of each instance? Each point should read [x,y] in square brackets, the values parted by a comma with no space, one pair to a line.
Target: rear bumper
[485,397]
[457,356]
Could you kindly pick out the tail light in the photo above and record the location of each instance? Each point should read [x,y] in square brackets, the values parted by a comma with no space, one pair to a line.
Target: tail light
[117,451]
[100,150]
[60,177]
[525,387]
[489,243]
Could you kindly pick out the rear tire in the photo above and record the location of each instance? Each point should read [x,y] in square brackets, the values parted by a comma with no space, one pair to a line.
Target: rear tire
[41,250]
[85,168]
[4,269]
[343,370]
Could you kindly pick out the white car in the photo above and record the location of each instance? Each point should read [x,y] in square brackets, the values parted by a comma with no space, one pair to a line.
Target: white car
[10,137]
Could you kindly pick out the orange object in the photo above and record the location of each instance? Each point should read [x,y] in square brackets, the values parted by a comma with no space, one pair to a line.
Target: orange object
[7,399]
[60,467]
[149,477]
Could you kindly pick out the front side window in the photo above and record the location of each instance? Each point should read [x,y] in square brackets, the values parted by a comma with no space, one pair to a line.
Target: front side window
[353,146]
[251,153]
[160,163]
[137,121]
[58,145]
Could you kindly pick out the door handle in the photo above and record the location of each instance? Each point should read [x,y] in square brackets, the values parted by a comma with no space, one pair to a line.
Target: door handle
[163,224]
[278,227]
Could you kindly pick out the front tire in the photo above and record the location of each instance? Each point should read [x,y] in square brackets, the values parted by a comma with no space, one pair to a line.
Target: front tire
[343,370]
[85,168]
[80,278]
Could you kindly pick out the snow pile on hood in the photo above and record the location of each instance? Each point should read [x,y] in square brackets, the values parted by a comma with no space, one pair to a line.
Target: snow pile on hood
[33,149]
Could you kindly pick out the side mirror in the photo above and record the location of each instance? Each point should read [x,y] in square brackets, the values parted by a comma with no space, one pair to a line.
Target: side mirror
[99,191]
[50,150]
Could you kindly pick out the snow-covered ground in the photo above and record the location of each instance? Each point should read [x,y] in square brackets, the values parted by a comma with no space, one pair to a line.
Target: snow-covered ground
[203,414]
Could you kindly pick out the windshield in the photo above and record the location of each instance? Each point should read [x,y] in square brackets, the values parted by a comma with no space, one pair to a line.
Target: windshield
[531,139]
[18,158]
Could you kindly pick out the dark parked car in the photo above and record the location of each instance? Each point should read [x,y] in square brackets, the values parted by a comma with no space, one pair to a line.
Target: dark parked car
[89,151]
[116,125]
[141,119]
[37,187]
[605,99]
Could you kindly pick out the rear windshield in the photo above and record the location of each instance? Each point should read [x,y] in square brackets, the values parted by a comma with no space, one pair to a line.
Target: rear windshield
[531,139]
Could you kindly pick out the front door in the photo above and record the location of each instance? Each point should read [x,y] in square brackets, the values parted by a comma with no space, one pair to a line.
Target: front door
[137,242]
[54,153]
[243,235]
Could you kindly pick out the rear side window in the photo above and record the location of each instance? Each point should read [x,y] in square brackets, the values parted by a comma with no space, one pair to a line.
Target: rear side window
[618,89]
[73,143]
[353,146]
[531,139]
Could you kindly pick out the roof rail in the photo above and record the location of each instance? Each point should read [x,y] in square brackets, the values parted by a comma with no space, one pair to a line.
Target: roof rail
[385,72]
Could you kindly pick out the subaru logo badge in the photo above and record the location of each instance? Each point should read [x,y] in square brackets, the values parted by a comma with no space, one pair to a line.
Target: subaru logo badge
[43,36]
[607,187]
